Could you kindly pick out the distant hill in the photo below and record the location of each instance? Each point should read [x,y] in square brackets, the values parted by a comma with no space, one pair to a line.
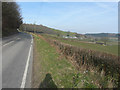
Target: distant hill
[103,35]
[36,28]
[44,29]
[52,31]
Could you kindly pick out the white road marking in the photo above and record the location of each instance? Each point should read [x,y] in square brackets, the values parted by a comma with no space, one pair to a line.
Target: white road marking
[32,39]
[8,43]
[26,68]
[18,38]
[11,42]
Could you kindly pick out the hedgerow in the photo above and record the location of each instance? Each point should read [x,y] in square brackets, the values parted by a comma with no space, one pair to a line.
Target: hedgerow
[108,63]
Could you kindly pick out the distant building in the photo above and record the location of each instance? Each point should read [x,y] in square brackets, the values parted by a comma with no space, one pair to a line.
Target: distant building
[101,43]
[70,37]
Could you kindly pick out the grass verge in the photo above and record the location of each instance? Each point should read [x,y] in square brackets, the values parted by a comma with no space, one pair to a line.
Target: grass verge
[51,70]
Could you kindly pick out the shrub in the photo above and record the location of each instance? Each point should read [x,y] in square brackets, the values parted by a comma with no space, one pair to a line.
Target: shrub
[104,61]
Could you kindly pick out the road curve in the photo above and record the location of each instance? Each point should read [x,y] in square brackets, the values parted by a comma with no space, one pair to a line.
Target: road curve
[17,57]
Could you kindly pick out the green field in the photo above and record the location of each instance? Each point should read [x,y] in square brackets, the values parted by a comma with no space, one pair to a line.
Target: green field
[63,33]
[53,70]
[112,49]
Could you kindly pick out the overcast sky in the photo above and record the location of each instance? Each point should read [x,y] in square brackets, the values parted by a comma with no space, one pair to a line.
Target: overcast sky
[81,17]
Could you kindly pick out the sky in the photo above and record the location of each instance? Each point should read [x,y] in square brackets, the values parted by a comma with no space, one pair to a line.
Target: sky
[80,17]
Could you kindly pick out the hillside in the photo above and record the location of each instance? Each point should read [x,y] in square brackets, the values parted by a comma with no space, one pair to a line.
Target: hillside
[44,29]
[47,30]
[63,33]
[103,35]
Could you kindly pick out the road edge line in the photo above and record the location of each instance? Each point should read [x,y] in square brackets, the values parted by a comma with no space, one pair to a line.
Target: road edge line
[26,68]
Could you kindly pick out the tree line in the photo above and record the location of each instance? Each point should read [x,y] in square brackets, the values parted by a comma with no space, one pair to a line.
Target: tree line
[11,18]
[37,29]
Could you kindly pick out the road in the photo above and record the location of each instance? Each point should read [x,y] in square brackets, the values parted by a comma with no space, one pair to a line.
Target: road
[17,57]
